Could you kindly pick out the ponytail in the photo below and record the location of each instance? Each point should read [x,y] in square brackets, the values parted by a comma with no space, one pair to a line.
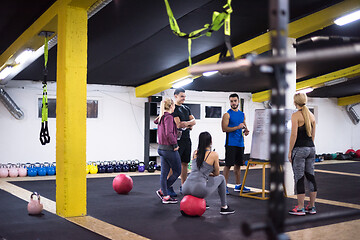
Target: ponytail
[204,142]
[306,114]
[300,99]
[164,105]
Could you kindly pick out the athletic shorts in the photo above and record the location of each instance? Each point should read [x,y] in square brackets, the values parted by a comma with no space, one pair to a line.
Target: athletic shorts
[234,156]
[185,149]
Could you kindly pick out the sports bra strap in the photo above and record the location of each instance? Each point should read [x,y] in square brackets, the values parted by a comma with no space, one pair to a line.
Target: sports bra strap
[207,156]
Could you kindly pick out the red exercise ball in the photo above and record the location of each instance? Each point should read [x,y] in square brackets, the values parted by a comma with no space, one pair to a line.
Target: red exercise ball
[192,206]
[122,184]
[358,153]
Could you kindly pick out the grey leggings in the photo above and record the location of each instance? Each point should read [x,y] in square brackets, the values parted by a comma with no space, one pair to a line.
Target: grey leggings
[303,159]
[202,189]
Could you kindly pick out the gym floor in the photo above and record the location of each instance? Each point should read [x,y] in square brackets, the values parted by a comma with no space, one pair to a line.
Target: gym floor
[141,215]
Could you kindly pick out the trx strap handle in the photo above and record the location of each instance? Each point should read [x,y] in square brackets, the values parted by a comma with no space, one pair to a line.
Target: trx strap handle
[44,132]
[218,19]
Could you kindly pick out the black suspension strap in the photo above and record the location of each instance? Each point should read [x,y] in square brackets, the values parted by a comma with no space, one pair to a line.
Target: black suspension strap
[227,43]
[44,132]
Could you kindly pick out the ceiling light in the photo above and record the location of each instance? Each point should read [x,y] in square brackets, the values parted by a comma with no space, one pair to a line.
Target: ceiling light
[5,72]
[336,81]
[183,82]
[25,55]
[348,18]
[305,90]
[207,74]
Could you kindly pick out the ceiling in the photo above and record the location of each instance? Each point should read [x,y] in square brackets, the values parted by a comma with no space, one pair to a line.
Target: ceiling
[130,42]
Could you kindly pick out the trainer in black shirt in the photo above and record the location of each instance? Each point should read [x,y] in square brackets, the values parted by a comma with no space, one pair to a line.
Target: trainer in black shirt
[184,121]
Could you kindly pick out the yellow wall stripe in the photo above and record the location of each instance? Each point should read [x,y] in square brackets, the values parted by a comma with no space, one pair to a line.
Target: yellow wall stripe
[46,22]
[313,82]
[30,38]
[349,100]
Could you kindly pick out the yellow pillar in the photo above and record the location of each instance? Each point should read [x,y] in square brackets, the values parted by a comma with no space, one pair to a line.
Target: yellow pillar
[71,112]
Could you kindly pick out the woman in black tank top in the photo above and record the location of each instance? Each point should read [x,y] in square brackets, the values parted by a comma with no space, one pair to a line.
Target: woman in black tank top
[302,155]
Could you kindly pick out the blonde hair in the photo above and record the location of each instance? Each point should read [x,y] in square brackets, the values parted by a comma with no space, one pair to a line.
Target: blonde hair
[165,105]
[300,99]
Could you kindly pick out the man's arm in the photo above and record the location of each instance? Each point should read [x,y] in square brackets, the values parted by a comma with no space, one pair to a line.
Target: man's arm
[246,132]
[185,124]
[225,124]
[191,122]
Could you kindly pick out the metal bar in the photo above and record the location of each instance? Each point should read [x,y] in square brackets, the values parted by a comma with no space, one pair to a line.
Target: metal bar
[147,134]
[279,18]
[240,65]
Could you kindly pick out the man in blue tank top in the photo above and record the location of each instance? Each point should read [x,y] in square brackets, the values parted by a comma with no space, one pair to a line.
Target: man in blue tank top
[233,123]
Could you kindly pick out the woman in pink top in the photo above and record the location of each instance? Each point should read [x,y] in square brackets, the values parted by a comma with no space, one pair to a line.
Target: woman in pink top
[168,150]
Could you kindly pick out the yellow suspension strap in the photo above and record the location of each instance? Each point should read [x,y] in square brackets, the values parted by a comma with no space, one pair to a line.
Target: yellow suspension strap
[218,19]
[44,132]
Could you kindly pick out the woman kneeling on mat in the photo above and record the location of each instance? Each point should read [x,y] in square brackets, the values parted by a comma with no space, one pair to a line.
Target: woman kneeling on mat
[168,150]
[205,176]
[302,154]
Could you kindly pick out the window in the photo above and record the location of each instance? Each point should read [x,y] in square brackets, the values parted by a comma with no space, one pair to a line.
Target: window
[92,108]
[212,112]
[195,110]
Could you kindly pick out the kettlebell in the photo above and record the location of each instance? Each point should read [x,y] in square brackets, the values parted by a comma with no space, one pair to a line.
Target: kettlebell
[34,206]
[151,167]
[109,167]
[41,170]
[117,167]
[32,171]
[101,167]
[50,170]
[141,167]
[93,168]
[13,171]
[22,170]
[125,167]
[133,167]
[4,172]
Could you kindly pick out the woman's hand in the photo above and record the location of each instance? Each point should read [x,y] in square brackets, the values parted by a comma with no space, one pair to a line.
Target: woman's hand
[289,157]
[211,175]
[175,149]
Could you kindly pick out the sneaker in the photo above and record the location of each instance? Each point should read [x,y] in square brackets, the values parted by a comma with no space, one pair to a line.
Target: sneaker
[227,191]
[297,211]
[226,211]
[238,189]
[207,206]
[310,210]
[171,192]
[168,199]
[160,194]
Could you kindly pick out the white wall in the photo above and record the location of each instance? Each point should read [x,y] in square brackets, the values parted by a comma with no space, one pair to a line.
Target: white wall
[118,133]
[335,132]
